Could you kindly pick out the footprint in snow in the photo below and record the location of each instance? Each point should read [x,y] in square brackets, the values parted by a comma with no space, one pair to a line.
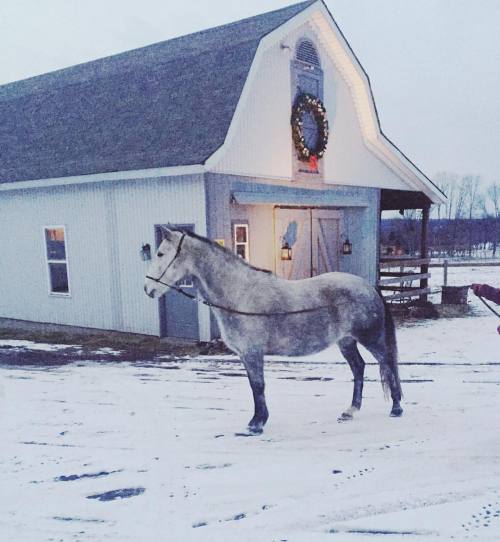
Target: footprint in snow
[352,476]
[361,472]
[72,477]
[118,494]
[207,466]
[488,515]
[237,517]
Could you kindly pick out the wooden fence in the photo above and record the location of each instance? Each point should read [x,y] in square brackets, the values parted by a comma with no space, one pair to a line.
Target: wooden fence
[445,264]
[406,277]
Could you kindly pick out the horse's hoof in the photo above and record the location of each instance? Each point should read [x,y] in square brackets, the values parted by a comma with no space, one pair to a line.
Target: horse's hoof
[256,424]
[255,429]
[396,412]
[348,414]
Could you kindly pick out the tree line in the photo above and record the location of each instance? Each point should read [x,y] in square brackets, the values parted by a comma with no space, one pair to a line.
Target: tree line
[467,225]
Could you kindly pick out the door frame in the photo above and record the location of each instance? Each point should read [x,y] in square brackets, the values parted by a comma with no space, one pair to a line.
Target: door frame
[162,302]
[311,208]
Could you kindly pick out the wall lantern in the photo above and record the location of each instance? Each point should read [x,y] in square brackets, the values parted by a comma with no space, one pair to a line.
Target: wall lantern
[347,247]
[146,252]
[286,252]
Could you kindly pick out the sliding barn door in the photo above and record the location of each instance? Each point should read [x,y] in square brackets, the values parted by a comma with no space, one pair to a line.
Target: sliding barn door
[314,237]
[293,226]
[325,227]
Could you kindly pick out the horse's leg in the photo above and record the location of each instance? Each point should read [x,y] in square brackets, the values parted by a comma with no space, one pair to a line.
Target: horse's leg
[350,351]
[254,365]
[388,372]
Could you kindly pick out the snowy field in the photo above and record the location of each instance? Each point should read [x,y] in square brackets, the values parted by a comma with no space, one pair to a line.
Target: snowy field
[150,451]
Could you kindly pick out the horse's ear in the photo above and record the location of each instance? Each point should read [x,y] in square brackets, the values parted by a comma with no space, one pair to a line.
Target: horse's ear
[166,233]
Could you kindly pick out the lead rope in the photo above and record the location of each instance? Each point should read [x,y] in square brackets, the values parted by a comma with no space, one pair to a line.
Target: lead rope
[234,311]
[489,306]
[215,305]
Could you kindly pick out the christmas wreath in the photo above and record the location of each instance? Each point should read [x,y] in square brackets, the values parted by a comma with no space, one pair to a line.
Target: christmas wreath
[303,104]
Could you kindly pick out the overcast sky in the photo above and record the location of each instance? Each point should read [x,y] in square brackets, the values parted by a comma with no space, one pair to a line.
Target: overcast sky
[434,64]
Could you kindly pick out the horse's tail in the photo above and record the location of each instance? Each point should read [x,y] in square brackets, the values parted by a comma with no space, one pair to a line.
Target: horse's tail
[392,353]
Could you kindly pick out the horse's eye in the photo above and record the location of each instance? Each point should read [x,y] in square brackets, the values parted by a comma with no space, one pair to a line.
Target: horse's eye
[160,254]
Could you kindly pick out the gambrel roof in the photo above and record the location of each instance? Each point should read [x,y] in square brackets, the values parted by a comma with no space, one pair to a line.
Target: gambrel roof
[167,106]
[163,105]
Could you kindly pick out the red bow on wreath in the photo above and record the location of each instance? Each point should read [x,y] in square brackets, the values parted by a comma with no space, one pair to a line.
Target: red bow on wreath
[313,162]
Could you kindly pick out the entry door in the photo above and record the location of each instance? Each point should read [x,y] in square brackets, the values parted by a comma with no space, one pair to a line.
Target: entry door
[313,235]
[325,240]
[178,314]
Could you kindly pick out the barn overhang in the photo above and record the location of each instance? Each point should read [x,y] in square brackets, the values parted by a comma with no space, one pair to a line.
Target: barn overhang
[400,200]
[263,194]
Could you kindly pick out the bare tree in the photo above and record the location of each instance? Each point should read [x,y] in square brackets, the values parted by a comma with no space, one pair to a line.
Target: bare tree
[470,185]
[447,183]
[493,198]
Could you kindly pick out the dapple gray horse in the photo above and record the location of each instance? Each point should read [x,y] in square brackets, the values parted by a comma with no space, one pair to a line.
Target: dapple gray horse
[259,313]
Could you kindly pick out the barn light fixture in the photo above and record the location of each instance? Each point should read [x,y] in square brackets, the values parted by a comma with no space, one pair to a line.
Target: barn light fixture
[286,252]
[347,247]
[146,252]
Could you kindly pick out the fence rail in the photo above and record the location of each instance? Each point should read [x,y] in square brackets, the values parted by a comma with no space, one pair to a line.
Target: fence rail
[400,273]
[445,264]
[464,264]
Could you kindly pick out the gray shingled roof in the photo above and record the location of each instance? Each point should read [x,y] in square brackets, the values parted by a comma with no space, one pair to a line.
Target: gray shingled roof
[167,104]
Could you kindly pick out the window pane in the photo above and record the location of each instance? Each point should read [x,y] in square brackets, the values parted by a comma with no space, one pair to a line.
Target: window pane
[241,234]
[241,251]
[56,249]
[58,278]
[310,129]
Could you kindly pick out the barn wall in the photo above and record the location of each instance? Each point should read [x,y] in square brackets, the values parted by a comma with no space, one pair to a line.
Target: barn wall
[360,221]
[139,206]
[260,143]
[24,282]
[106,225]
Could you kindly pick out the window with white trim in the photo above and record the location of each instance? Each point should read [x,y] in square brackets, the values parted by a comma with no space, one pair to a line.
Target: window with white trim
[57,263]
[240,238]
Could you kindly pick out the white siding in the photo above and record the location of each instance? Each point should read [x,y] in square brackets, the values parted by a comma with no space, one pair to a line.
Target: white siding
[24,292]
[139,206]
[106,225]
[260,143]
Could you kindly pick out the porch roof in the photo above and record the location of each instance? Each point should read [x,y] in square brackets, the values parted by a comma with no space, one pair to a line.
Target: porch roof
[282,195]
[399,200]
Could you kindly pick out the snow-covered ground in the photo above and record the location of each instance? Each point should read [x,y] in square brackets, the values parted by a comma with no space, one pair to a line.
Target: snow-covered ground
[150,451]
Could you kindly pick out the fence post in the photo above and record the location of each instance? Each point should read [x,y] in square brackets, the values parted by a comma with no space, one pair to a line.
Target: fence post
[445,272]
[424,247]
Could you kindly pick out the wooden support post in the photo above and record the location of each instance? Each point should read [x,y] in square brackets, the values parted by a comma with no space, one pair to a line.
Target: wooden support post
[445,273]
[424,248]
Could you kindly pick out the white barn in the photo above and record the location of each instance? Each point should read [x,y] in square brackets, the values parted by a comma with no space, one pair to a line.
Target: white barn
[196,132]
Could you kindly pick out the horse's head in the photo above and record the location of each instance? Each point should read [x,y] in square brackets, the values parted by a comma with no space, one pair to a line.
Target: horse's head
[168,265]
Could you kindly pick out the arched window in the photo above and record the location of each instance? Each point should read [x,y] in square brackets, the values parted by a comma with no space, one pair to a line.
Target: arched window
[307,78]
[306,52]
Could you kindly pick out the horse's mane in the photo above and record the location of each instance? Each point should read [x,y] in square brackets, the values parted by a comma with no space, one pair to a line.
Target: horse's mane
[224,250]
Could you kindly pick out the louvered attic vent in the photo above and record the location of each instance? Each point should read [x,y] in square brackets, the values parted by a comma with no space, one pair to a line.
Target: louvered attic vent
[306,52]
